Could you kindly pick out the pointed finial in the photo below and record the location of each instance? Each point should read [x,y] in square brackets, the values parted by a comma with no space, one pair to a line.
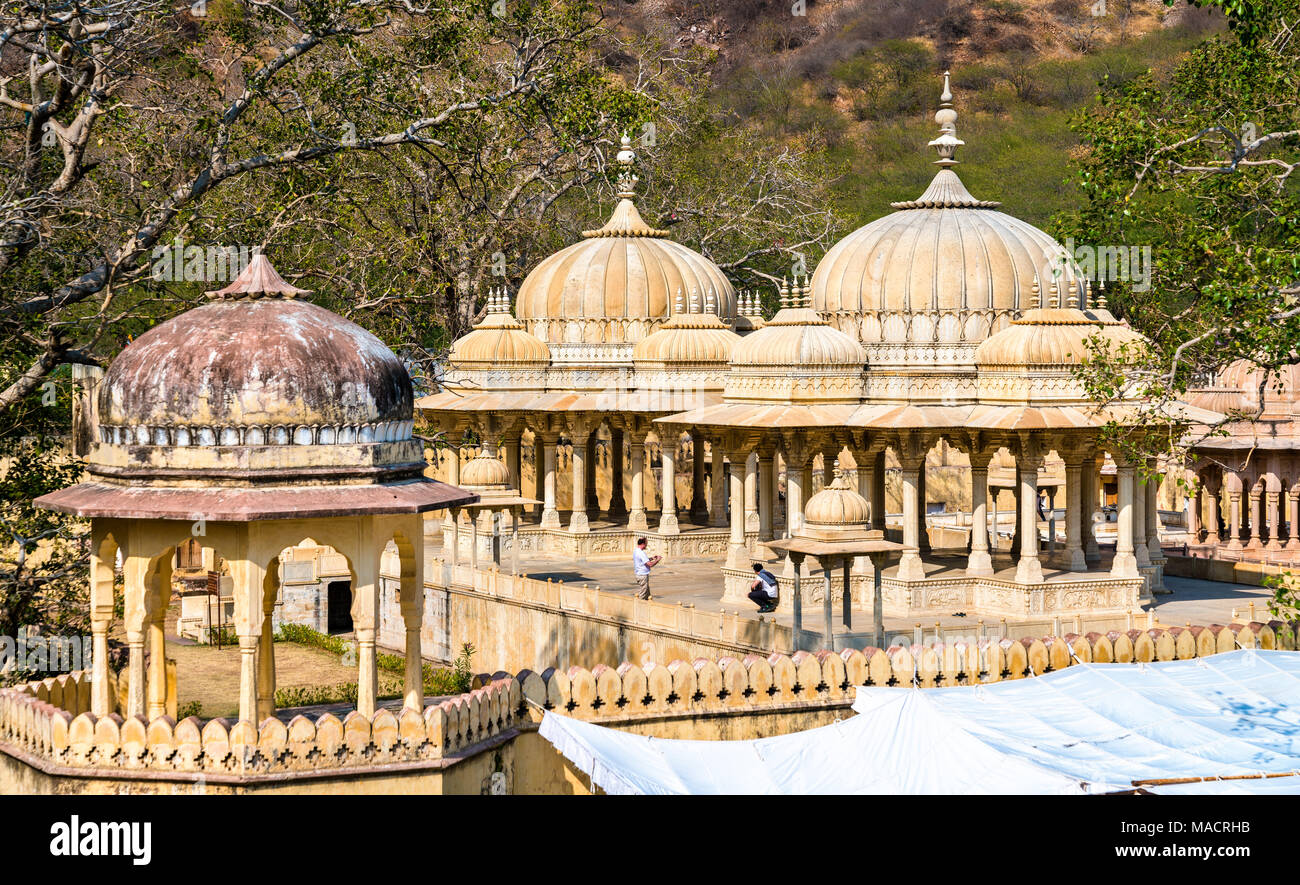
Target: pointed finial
[1034,294]
[710,299]
[679,306]
[1055,298]
[1073,303]
[807,291]
[947,142]
[693,301]
[626,178]
[1101,295]
[785,294]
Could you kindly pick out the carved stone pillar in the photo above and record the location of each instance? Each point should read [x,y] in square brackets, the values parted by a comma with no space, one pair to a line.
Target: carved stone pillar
[767,492]
[699,511]
[1234,519]
[668,481]
[877,497]
[1029,569]
[1090,504]
[590,464]
[737,552]
[1255,543]
[911,458]
[1152,514]
[718,492]
[980,562]
[1074,557]
[1140,547]
[751,492]
[1274,526]
[923,522]
[549,443]
[1194,513]
[1293,518]
[1125,563]
[1213,535]
[636,520]
[579,435]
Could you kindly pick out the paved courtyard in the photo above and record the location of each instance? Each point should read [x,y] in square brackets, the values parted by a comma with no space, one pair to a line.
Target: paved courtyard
[697,581]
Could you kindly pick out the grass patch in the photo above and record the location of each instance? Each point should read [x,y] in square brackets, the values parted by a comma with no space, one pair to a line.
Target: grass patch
[455,679]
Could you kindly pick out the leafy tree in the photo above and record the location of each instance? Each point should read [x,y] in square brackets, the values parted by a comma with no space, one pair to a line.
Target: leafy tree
[1199,169]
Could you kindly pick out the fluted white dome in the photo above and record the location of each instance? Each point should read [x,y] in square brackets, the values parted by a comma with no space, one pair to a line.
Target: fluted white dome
[616,285]
[943,268]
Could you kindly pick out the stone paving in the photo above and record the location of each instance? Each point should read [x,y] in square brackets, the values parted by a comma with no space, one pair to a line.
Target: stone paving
[697,581]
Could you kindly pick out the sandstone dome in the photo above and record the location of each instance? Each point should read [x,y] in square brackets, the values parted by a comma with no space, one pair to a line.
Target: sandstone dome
[1281,393]
[616,285]
[796,355]
[498,340]
[945,268]
[247,384]
[836,513]
[692,336]
[485,472]
[1034,359]
[1054,337]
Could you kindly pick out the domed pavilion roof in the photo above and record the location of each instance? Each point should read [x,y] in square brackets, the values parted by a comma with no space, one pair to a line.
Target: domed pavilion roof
[695,341]
[615,286]
[796,356]
[256,391]
[945,268]
[1036,355]
[499,340]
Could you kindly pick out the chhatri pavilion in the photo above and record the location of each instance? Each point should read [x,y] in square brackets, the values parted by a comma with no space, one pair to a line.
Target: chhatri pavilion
[945,320]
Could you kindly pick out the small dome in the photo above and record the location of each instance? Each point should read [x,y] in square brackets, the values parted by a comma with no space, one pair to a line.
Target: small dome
[616,285]
[696,338]
[837,512]
[500,341]
[485,472]
[1281,391]
[1053,337]
[1033,360]
[797,355]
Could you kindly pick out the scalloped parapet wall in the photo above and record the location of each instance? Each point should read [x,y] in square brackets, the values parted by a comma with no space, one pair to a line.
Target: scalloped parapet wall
[51,718]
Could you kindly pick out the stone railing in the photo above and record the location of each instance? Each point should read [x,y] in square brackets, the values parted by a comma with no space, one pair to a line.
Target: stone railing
[219,747]
[756,681]
[34,719]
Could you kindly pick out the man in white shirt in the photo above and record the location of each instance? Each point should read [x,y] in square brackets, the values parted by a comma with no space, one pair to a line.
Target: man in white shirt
[642,562]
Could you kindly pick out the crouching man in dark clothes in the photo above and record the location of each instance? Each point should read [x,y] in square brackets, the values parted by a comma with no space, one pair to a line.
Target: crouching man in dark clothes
[764,589]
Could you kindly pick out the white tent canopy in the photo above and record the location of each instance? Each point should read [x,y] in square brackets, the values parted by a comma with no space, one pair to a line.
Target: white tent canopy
[1088,728]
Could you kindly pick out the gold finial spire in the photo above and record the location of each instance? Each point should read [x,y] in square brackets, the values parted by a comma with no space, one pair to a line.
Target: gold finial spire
[947,142]
[626,178]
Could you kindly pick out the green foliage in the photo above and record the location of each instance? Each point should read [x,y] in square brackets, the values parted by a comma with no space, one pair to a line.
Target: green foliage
[437,680]
[1179,164]
[193,708]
